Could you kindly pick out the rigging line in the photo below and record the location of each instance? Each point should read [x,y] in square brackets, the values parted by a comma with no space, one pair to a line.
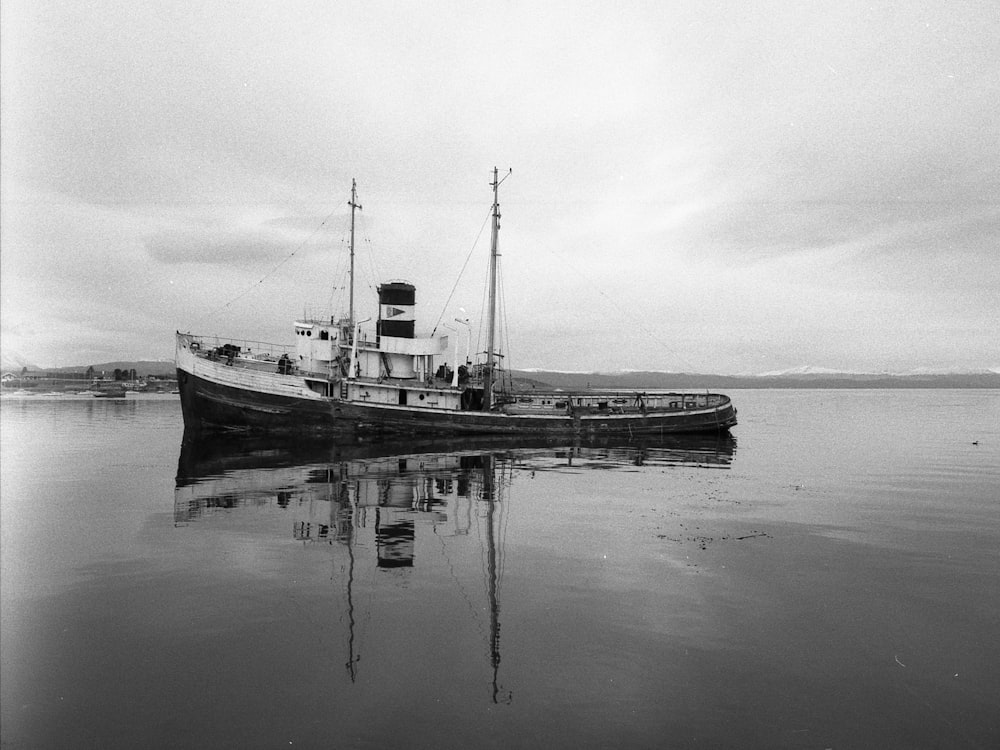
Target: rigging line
[503,364]
[373,274]
[458,583]
[506,522]
[506,335]
[368,276]
[372,266]
[271,272]
[506,372]
[482,548]
[373,271]
[502,521]
[467,257]
[328,308]
[482,316]
[638,323]
[339,277]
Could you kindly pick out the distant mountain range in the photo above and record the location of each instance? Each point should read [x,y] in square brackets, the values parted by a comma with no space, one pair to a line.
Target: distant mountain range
[799,377]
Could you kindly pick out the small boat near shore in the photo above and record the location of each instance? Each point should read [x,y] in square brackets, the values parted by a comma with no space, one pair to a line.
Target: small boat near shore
[111,390]
[341,379]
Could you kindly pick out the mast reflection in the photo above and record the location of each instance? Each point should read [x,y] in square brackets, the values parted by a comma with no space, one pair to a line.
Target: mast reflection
[371,503]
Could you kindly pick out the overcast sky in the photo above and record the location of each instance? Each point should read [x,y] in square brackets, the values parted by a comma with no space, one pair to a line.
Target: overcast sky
[714,186]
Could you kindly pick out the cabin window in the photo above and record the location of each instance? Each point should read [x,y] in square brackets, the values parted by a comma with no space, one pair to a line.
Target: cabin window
[324,335]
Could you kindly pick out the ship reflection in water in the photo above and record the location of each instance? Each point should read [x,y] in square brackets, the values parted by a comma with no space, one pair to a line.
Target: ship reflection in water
[371,504]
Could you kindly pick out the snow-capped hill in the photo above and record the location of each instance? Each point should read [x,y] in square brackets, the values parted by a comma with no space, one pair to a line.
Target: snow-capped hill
[534,370]
[807,370]
[11,360]
[811,371]
[952,371]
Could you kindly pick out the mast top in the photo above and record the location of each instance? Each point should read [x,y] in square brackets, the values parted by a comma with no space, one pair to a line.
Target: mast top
[353,202]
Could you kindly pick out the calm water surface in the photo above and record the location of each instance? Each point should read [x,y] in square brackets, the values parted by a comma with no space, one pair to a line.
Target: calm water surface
[829,578]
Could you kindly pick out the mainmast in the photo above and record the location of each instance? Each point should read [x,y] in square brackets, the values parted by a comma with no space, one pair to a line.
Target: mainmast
[492,494]
[491,330]
[353,203]
[491,570]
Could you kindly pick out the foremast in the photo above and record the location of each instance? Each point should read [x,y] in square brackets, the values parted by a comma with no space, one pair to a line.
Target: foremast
[353,203]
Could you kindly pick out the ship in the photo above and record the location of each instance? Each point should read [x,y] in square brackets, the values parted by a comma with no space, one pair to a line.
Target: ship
[110,390]
[344,380]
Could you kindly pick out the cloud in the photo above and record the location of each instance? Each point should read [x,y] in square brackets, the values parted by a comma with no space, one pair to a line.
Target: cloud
[755,177]
[225,247]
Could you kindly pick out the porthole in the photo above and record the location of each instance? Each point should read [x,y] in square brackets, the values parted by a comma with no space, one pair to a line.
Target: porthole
[421,397]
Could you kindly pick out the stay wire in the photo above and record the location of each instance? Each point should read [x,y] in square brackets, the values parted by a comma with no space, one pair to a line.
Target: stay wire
[340,278]
[571,264]
[271,272]
[507,367]
[373,270]
[460,273]
[480,344]
[334,287]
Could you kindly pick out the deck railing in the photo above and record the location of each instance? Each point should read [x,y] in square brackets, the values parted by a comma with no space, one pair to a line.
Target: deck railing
[247,346]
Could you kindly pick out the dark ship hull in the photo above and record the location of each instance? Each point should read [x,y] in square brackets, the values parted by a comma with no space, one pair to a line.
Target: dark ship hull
[213,406]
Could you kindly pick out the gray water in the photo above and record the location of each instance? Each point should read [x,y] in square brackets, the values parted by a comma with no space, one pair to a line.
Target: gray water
[829,578]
